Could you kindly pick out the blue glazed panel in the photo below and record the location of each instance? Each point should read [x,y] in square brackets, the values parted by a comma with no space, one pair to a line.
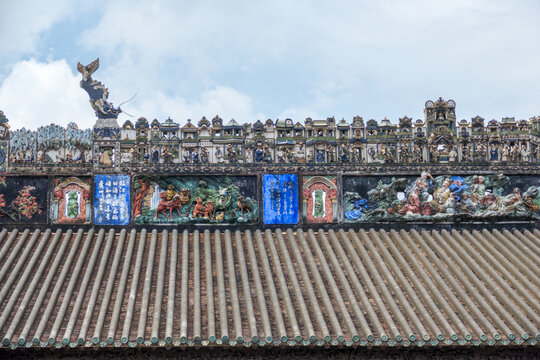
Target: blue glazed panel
[111,200]
[280,199]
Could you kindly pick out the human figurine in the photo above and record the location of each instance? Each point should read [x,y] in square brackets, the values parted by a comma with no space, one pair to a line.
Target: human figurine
[434,153]
[412,206]
[383,150]
[320,156]
[506,204]
[330,154]
[450,203]
[494,154]
[372,154]
[231,154]
[481,152]
[515,153]
[344,154]
[505,152]
[514,197]
[388,154]
[466,153]
[167,155]
[187,156]
[169,193]
[524,153]
[289,155]
[537,153]
[125,157]
[279,155]
[155,155]
[133,153]
[204,155]
[425,184]
[440,196]
[467,205]
[259,154]
[300,157]
[267,155]
[310,158]
[105,158]
[357,154]
[219,156]
[478,189]
[418,156]
[452,155]
[403,154]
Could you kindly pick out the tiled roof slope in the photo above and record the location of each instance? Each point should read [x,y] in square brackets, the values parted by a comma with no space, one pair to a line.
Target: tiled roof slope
[170,288]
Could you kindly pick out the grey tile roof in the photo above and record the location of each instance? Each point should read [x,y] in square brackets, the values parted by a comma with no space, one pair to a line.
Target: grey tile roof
[170,288]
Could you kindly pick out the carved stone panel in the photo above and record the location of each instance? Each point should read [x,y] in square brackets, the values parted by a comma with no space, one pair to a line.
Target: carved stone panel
[23,199]
[319,199]
[441,198]
[218,199]
[71,200]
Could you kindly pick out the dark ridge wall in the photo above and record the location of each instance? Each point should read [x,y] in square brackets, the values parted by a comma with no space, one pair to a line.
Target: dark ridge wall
[213,352]
[272,200]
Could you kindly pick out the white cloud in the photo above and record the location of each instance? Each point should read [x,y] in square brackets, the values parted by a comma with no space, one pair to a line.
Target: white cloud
[223,101]
[23,21]
[299,114]
[340,58]
[36,94]
[289,59]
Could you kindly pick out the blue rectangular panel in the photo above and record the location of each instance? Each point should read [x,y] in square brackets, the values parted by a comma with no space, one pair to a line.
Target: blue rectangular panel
[280,198]
[111,200]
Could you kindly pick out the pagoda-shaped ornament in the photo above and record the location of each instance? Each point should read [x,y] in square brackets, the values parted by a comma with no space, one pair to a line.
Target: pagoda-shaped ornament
[441,130]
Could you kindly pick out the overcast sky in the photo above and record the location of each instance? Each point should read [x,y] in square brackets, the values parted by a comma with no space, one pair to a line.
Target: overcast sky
[252,60]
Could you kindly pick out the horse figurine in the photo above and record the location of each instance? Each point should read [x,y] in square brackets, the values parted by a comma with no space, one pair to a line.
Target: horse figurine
[164,204]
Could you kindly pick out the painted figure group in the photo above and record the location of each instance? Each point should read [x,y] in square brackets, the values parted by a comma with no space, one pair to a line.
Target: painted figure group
[191,200]
[444,196]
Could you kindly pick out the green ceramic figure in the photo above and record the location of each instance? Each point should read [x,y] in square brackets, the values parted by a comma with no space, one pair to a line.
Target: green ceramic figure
[72,205]
[319,203]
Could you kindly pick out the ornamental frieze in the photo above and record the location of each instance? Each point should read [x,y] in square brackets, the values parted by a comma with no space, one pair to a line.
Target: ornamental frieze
[216,172]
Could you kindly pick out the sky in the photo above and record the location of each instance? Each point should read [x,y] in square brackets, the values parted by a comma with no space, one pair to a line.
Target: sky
[251,60]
